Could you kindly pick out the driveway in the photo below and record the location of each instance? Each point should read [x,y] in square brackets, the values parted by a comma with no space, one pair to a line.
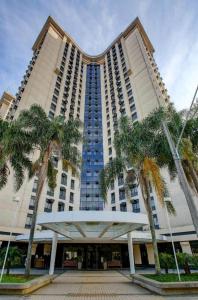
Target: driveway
[93,285]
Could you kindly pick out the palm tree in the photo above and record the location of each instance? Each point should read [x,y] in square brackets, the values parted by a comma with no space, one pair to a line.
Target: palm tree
[50,138]
[188,148]
[15,147]
[135,156]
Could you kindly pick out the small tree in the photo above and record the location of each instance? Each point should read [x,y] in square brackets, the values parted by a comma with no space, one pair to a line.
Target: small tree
[166,261]
[184,260]
[14,257]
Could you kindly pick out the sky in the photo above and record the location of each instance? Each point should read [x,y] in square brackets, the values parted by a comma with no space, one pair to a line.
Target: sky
[171,25]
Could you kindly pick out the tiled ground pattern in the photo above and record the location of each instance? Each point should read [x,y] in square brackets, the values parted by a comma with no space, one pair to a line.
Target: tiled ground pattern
[94,286]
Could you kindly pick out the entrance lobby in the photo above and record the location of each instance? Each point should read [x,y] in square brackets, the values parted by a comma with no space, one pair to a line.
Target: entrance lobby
[92,256]
[93,230]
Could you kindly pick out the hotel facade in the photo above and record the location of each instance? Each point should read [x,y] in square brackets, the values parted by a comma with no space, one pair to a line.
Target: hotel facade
[64,80]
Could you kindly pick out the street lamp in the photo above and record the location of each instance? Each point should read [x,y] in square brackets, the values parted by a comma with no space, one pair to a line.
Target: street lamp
[166,200]
[15,200]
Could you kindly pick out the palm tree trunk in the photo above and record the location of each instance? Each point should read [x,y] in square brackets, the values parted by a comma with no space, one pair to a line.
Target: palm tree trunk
[193,174]
[41,178]
[146,195]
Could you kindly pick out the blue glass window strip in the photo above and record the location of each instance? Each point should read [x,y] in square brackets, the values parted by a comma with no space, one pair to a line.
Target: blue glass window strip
[92,155]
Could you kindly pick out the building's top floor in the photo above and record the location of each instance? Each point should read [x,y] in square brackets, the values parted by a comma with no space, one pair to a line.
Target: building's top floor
[136,24]
[5,102]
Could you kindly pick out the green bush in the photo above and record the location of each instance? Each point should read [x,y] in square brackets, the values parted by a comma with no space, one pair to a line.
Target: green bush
[13,259]
[166,261]
[184,261]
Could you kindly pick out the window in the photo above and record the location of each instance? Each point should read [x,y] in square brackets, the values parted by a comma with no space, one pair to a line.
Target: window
[120,179]
[35,185]
[56,92]
[61,206]
[54,99]
[51,114]
[121,194]
[131,100]
[156,223]
[112,185]
[70,208]
[71,198]
[109,141]
[132,108]
[110,151]
[53,106]
[136,206]
[48,205]
[64,179]
[54,160]
[62,194]
[113,208]
[129,92]
[50,192]
[72,184]
[134,116]
[134,190]
[112,197]
[32,202]
[123,207]
[152,203]
[28,221]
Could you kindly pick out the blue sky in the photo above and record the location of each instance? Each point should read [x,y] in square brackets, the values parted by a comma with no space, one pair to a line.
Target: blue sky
[171,25]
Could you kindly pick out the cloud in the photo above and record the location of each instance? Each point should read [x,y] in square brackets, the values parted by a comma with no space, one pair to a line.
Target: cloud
[171,26]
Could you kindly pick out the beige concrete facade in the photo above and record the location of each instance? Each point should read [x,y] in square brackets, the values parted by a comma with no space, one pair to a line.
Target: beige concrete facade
[128,63]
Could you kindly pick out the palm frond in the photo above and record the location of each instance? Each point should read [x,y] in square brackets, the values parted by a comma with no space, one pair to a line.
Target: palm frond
[110,172]
[4,173]
[170,208]
[51,175]
[67,164]
[152,172]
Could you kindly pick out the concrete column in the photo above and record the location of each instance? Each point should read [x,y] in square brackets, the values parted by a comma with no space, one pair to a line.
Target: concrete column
[131,257]
[150,253]
[53,253]
[186,247]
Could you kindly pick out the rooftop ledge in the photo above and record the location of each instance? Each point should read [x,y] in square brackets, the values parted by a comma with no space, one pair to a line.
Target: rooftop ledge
[136,24]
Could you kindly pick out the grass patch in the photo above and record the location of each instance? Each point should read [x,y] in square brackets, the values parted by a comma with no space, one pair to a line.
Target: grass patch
[172,277]
[12,278]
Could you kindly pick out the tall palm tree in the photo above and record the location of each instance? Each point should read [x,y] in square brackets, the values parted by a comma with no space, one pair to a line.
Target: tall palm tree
[49,138]
[15,146]
[188,148]
[135,157]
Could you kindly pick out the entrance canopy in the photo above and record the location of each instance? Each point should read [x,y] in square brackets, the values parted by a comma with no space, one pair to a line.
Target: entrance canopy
[92,225]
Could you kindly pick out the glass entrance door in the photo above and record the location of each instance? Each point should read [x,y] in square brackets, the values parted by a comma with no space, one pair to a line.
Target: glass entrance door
[92,260]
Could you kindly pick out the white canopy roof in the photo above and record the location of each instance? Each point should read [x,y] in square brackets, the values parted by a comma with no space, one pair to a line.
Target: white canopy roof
[92,224]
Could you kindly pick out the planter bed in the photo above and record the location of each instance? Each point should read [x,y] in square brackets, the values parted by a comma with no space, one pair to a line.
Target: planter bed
[23,288]
[167,288]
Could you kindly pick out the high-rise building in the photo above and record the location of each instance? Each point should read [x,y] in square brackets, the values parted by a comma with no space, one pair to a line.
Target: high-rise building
[64,80]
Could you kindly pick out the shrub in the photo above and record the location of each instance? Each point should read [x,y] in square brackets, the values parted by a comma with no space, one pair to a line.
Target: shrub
[184,261]
[13,258]
[166,261]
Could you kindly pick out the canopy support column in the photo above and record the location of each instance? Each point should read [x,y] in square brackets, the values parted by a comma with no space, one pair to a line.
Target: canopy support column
[131,257]
[53,253]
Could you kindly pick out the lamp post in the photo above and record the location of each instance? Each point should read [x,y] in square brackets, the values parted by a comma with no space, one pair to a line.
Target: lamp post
[15,200]
[166,200]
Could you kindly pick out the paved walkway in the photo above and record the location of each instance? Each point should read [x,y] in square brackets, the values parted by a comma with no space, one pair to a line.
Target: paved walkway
[91,285]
